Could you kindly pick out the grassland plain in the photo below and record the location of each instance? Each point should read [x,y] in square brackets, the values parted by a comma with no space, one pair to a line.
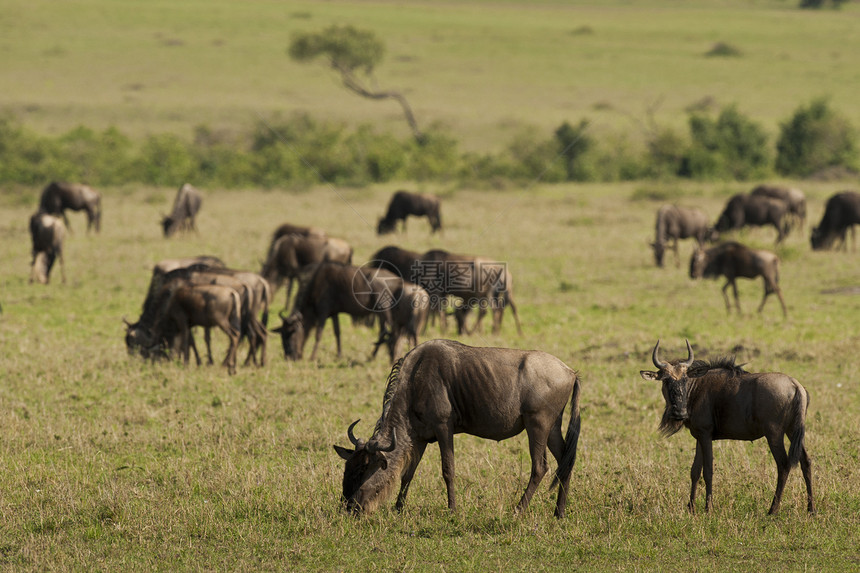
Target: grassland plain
[482,68]
[113,463]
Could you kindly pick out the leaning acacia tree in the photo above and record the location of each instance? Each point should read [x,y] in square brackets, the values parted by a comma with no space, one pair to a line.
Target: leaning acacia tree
[353,54]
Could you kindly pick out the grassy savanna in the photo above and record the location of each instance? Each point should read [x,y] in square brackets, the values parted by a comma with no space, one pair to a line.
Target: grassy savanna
[110,462]
[482,69]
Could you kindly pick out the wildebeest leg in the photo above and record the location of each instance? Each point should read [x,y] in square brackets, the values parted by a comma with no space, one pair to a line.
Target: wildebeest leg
[783,467]
[675,249]
[193,346]
[406,479]
[445,437]
[318,334]
[232,332]
[207,337]
[695,476]
[708,469]
[62,266]
[733,284]
[555,442]
[537,433]
[335,324]
[773,288]
[806,468]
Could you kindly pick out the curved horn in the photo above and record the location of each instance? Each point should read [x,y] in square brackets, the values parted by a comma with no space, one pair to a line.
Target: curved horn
[373,447]
[689,360]
[125,321]
[656,360]
[349,433]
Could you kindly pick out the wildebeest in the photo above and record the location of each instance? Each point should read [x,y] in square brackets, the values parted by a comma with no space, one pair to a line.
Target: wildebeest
[408,318]
[719,400]
[754,210]
[331,289]
[794,199]
[208,306]
[47,234]
[402,262]
[59,196]
[675,223]
[186,204]
[442,388]
[733,260]
[137,333]
[841,213]
[476,281]
[289,254]
[405,203]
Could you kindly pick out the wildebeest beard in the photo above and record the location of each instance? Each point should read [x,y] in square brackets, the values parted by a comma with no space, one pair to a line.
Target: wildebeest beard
[668,425]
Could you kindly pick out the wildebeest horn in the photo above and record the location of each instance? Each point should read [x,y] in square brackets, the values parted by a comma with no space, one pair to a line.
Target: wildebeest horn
[656,360]
[349,433]
[689,360]
[373,447]
[126,322]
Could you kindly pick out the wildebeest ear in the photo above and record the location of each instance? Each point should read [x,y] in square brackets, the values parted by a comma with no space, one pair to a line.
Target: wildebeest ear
[343,452]
[648,375]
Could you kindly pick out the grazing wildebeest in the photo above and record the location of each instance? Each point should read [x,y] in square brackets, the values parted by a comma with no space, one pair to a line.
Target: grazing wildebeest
[289,254]
[206,305]
[476,281]
[675,223]
[330,289]
[718,400]
[754,210]
[405,203]
[47,234]
[442,388]
[137,334]
[59,196]
[733,260]
[841,213]
[408,317]
[186,204]
[794,199]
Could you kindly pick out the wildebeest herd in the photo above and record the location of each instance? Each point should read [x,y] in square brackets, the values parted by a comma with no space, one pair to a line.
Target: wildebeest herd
[441,387]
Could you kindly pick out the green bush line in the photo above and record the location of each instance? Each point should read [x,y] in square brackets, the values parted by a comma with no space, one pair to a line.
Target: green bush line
[301,151]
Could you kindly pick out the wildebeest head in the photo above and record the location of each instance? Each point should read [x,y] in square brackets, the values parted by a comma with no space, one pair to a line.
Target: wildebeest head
[168,225]
[659,251]
[820,239]
[138,338]
[698,263]
[292,333]
[676,388]
[365,482]
[385,226]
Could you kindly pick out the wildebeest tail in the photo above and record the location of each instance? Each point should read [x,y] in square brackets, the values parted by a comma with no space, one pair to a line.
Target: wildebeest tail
[799,406]
[568,459]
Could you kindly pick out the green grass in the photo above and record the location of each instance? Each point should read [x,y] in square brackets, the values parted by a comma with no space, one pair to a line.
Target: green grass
[113,463]
[481,68]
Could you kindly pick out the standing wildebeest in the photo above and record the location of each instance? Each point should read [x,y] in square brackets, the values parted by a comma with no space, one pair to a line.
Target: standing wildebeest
[201,305]
[754,210]
[289,254]
[47,233]
[475,280]
[794,199]
[403,204]
[841,213]
[720,401]
[185,208]
[733,260]
[59,196]
[330,289]
[675,223]
[399,261]
[442,388]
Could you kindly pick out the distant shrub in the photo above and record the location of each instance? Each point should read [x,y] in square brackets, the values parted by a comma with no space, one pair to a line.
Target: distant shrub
[666,150]
[436,157]
[815,138]
[730,147]
[573,143]
[165,160]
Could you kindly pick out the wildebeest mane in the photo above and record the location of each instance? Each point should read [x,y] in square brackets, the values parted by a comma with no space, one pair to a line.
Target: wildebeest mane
[390,390]
[701,367]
